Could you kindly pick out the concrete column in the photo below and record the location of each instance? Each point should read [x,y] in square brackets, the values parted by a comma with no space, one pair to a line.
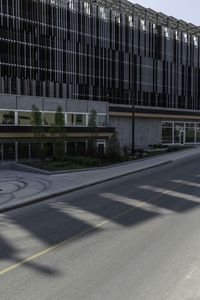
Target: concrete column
[87,120]
[16,117]
[65,119]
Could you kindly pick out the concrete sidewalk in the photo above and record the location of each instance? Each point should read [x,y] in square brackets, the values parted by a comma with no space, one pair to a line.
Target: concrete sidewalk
[18,189]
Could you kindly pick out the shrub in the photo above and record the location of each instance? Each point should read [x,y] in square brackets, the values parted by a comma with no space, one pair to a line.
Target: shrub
[79,160]
[83,161]
[92,162]
[113,151]
[172,149]
[139,152]
[126,150]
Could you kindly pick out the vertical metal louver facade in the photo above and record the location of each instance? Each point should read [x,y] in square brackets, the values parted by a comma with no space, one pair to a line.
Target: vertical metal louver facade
[78,50]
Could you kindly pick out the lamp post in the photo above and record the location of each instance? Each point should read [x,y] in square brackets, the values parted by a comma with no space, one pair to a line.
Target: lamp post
[133,124]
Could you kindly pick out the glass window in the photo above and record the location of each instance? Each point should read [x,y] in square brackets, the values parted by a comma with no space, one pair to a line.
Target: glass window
[71,148]
[49,149]
[23,151]
[167,132]
[178,128]
[130,20]
[102,13]
[87,8]
[70,119]
[167,124]
[71,4]
[76,120]
[24,118]
[35,150]
[102,120]
[195,39]
[190,133]
[9,151]
[81,148]
[7,117]
[0,152]
[80,120]
[49,118]
[198,133]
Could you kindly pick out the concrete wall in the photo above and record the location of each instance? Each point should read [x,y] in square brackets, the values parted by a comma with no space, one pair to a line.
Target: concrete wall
[147,131]
[123,126]
[8,101]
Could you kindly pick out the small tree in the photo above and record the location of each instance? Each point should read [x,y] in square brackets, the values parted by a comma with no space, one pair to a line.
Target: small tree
[38,131]
[36,116]
[93,118]
[60,131]
[113,151]
[94,131]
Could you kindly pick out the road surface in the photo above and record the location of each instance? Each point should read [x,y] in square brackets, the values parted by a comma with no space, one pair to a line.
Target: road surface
[137,237]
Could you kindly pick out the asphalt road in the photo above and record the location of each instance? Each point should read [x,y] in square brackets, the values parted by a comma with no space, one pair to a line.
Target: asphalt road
[137,237]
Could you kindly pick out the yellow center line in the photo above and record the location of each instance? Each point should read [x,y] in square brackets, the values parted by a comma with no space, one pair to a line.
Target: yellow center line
[80,234]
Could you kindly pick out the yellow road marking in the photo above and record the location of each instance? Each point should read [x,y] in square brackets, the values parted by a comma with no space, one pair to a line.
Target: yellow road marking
[45,251]
[80,234]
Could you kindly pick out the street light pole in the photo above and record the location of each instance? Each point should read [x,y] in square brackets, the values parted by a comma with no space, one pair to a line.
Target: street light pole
[133,125]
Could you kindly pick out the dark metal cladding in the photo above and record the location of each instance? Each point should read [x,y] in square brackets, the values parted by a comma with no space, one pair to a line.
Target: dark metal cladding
[98,50]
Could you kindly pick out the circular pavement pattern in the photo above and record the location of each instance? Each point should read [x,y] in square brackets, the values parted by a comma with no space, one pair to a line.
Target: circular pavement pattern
[13,187]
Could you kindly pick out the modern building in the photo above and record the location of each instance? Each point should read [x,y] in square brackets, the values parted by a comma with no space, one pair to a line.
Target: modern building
[137,68]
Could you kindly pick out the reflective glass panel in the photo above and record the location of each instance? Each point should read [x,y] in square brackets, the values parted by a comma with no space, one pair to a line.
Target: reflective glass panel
[81,148]
[76,120]
[24,118]
[49,118]
[69,119]
[190,133]
[198,132]
[80,120]
[167,133]
[35,150]
[178,128]
[23,151]
[9,151]
[102,120]
[7,117]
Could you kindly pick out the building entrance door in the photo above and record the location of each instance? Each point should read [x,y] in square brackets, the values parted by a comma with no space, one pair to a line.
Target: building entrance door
[182,137]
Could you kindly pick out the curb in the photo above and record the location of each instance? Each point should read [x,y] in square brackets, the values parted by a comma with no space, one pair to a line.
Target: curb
[47,197]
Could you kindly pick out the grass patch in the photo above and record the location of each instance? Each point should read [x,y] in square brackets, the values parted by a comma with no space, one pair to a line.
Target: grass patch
[82,162]
[72,163]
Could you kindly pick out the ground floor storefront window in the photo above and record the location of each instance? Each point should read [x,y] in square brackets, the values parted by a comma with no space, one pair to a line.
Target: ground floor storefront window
[190,132]
[30,150]
[179,129]
[180,132]
[198,133]
[9,151]
[23,151]
[167,133]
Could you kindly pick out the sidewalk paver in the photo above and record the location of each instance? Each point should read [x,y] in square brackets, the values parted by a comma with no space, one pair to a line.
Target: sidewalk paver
[18,189]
